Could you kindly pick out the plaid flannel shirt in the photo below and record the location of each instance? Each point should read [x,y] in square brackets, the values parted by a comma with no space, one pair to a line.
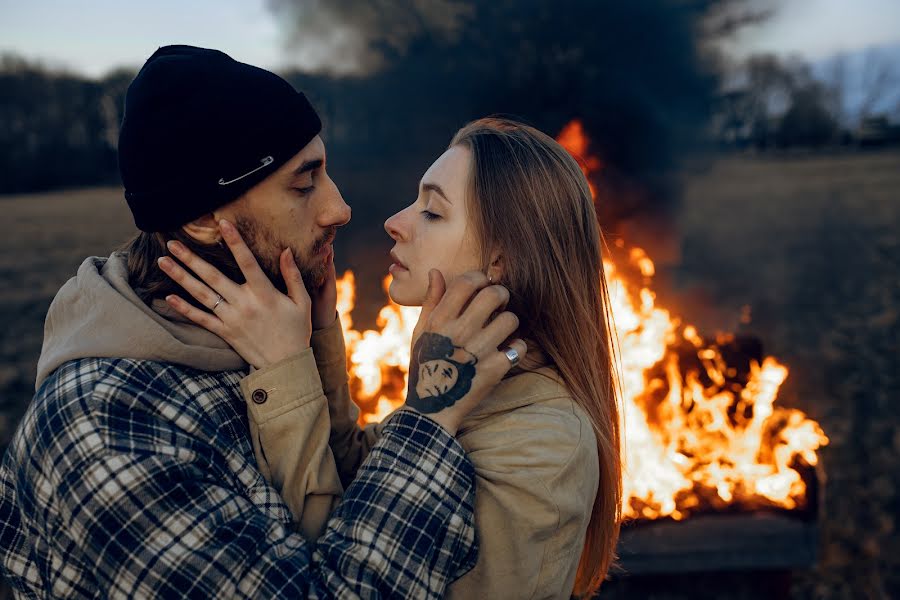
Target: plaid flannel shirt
[134,478]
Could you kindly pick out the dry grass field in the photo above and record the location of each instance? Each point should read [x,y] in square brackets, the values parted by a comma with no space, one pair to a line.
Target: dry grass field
[810,244]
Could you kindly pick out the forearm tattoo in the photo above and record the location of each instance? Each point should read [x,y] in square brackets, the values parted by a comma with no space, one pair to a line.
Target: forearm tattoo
[439,373]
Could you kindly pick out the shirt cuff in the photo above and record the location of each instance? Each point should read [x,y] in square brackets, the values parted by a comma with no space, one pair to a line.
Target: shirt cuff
[281,387]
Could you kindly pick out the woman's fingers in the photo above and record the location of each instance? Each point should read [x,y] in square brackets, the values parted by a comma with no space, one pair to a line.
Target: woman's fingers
[201,318]
[199,290]
[243,256]
[210,275]
[293,279]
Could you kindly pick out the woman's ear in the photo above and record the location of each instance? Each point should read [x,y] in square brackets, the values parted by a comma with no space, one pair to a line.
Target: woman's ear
[495,269]
[204,229]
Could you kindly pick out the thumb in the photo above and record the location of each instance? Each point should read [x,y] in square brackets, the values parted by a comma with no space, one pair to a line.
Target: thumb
[436,288]
[434,293]
[292,278]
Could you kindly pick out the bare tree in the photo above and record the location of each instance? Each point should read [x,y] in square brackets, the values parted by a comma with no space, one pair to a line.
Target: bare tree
[879,79]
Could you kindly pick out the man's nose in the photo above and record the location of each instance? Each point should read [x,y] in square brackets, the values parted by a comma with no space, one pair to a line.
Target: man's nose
[338,212]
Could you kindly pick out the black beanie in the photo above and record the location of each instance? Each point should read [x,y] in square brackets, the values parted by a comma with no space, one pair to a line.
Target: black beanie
[200,129]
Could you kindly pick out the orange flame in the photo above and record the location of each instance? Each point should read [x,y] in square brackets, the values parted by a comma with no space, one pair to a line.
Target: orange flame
[693,437]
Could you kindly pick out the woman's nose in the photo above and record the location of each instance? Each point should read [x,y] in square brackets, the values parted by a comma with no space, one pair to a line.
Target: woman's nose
[394,226]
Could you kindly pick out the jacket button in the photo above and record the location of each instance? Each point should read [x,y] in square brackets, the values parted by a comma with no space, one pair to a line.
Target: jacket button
[259,396]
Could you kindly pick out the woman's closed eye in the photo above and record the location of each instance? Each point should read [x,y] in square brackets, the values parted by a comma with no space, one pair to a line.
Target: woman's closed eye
[430,216]
[304,191]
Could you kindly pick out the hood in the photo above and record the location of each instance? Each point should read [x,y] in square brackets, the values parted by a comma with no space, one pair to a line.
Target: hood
[97,314]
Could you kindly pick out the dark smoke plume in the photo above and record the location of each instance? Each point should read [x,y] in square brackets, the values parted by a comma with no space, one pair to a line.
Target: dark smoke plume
[642,76]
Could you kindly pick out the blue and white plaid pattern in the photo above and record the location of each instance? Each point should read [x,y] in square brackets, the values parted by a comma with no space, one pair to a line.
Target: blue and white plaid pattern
[137,479]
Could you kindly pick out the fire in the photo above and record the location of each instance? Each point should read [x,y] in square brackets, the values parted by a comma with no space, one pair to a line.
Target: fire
[701,432]
[573,139]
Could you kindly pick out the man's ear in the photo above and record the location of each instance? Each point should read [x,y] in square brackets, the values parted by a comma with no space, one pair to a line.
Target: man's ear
[204,229]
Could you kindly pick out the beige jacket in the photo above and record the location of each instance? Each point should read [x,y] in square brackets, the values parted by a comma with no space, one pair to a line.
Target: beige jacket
[536,466]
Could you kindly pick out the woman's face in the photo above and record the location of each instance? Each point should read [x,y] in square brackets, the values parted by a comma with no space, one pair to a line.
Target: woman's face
[434,231]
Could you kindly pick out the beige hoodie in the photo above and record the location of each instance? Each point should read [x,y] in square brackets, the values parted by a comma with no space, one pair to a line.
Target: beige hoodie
[97,314]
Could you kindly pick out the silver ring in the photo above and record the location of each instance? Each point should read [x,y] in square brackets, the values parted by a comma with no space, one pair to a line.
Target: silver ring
[512,355]
[219,301]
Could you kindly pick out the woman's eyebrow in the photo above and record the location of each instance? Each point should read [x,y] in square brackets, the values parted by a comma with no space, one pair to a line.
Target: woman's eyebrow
[433,187]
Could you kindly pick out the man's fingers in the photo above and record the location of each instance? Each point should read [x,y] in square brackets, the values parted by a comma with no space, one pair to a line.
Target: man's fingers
[243,256]
[500,360]
[490,338]
[485,303]
[458,295]
[292,277]
[201,318]
[210,275]
[199,290]
[436,289]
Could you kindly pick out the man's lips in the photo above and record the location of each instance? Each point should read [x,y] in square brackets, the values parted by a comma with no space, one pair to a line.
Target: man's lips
[326,246]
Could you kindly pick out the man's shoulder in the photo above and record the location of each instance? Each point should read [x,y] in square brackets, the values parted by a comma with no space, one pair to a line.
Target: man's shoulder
[84,384]
[91,404]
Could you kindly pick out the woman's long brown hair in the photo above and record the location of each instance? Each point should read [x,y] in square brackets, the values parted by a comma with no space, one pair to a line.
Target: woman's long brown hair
[531,201]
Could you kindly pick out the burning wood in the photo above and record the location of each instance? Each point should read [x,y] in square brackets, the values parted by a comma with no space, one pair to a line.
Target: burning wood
[702,431]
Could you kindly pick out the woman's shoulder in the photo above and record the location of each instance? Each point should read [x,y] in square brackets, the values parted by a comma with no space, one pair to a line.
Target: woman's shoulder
[532,423]
[532,395]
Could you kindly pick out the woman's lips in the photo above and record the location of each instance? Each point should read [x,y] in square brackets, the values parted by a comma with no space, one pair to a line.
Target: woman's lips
[397,266]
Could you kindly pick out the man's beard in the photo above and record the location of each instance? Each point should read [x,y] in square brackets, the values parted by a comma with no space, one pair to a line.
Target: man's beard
[267,249]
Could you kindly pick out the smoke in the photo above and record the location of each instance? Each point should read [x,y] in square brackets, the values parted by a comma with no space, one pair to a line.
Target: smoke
[346,37]
[394,80]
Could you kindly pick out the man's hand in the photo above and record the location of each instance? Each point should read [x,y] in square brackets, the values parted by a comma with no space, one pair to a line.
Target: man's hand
[455,359]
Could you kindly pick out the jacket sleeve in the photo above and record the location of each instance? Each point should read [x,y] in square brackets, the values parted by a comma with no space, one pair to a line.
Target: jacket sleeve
[289,427]
[536,478]
[350,443]
[157,524]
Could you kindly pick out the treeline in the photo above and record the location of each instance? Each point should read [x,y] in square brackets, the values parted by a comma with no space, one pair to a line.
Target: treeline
[57,128]
[775,103]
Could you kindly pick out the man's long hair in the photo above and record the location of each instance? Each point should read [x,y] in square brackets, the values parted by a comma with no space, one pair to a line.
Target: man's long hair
[151,283]
[530,200]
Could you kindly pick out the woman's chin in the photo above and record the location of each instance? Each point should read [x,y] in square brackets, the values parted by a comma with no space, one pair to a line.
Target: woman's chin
[404,297]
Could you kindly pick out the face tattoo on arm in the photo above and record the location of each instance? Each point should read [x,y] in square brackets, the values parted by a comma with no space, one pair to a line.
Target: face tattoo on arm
[440,373]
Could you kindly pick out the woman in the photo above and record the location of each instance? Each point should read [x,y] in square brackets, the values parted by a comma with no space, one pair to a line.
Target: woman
[508,200]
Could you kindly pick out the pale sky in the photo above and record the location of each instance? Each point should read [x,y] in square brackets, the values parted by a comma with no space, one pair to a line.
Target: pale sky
[93,37]
[817,29]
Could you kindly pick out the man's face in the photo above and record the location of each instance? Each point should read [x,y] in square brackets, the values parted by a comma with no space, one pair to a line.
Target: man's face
[297,207]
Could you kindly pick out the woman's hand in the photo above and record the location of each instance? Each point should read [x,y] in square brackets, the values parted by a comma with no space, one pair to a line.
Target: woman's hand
[456,359]
[324,299]
[262,325]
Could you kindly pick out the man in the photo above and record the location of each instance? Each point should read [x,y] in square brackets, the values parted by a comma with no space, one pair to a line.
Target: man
[132,473]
